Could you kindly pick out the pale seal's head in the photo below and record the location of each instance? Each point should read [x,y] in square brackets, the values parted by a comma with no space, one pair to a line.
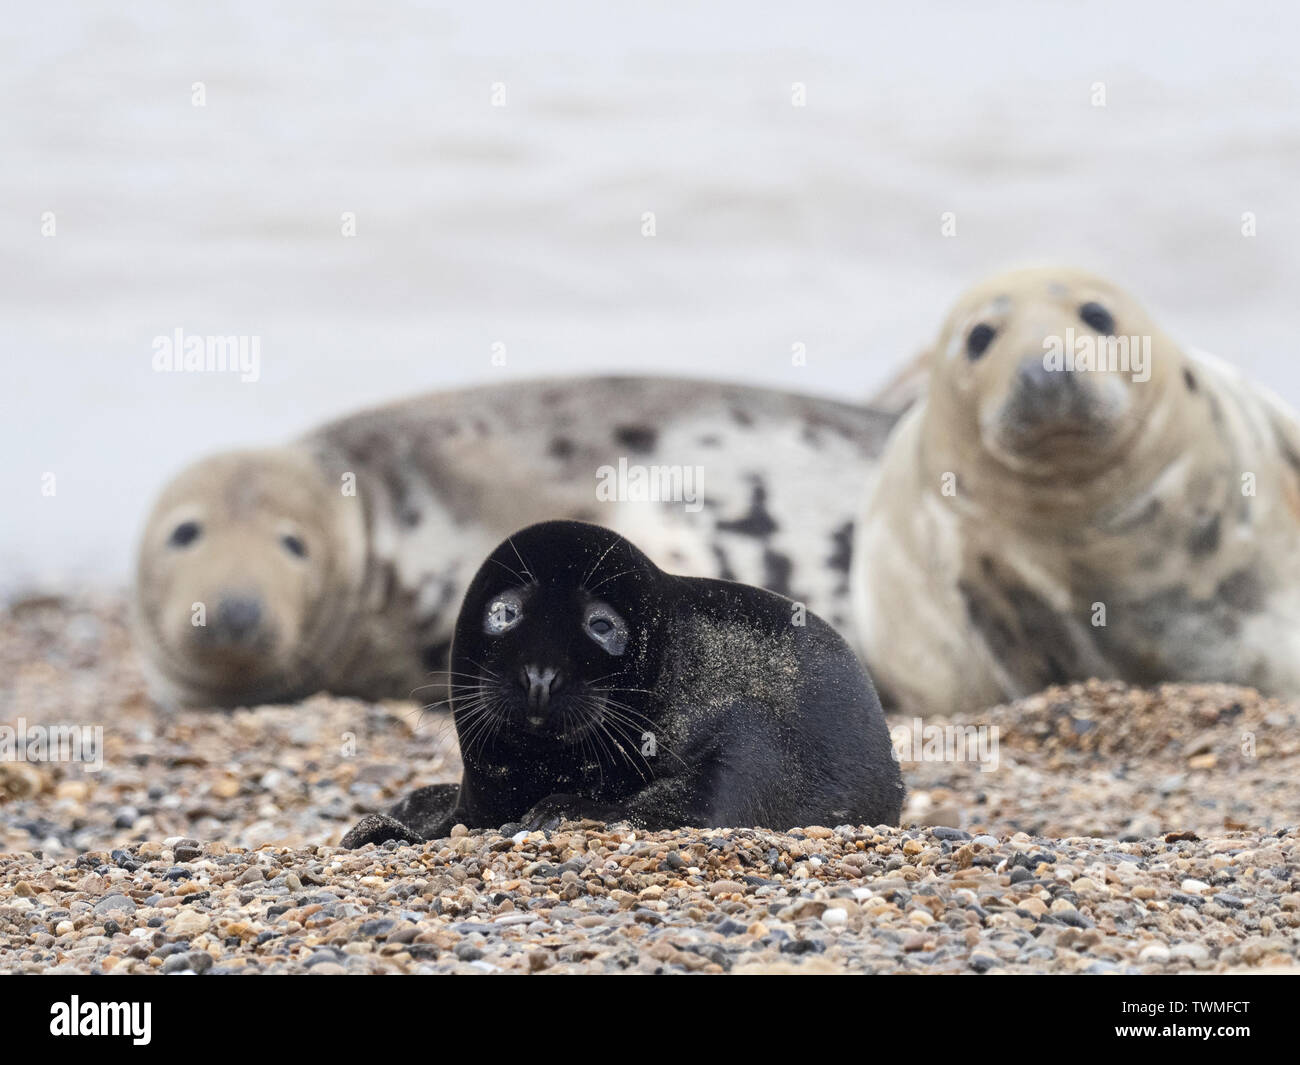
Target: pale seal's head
[1048,372]
[558,644]
[244,575]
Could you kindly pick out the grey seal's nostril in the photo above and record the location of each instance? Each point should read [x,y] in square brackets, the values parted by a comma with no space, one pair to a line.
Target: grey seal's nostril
[239,615]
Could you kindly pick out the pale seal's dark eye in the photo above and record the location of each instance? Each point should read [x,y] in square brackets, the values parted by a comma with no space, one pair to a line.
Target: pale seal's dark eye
[294,545]
[503,614]
[1095,316]
[979,339]
[185,534]
[607,629]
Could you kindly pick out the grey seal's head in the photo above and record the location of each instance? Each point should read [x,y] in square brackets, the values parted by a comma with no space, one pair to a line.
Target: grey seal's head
[245,569]
[1048,372]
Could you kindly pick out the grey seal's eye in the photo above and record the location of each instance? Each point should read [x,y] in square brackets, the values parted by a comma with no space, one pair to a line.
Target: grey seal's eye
[503,614]
[606,628]
[1095,316]
[185,534]
[294,545]
[979,339]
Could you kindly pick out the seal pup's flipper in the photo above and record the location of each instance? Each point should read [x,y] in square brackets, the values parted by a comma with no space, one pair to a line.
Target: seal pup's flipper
[427,813]
[376,829]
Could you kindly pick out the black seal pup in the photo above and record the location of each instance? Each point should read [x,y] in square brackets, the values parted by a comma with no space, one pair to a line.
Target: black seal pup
[588,683]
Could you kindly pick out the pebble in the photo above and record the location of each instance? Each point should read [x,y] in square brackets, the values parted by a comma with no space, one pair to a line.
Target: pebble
[228,865]
[115,904]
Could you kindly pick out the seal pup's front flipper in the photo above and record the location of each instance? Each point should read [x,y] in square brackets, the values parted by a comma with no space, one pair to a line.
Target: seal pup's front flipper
[427,813]
[378,828]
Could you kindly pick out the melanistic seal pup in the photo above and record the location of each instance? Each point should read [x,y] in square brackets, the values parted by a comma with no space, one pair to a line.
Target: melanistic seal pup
[589,683]
[1078,496]
[337,563]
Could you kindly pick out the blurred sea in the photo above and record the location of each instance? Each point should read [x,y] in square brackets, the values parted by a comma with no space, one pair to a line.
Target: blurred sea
[522,225]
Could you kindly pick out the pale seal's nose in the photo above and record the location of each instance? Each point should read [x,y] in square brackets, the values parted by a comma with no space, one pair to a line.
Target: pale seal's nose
[238,616]
[540,684]
[1045,395]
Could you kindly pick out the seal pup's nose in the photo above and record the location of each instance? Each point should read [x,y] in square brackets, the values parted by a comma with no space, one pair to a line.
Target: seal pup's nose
[238,616]
[540,684]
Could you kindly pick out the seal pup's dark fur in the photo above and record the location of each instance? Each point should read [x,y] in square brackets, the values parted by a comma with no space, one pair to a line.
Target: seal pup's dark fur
[588,683]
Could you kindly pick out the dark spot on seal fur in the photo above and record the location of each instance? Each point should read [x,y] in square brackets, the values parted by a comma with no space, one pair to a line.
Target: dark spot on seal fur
[1021,629]
[392,587]
[995,630]
[725,572]
[1242,590]
[841,556]
[776,572]
[1204,537]
[561,448]
[758,522]
[709,440]
[741,416]
[811,437]
[1216,411]
[640,438]
[1189,379]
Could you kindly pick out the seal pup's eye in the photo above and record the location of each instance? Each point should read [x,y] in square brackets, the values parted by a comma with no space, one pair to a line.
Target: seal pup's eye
[185,534]
[606,628]
[294,545]
[979,339]
[1095,316]
[503,614]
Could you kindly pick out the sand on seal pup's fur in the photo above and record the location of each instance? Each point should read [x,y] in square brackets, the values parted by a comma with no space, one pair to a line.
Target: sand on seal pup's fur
[224,825]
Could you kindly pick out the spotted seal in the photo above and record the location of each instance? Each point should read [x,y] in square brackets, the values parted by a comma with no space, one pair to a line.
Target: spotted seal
[338,562]
[1078,496]
[588,683]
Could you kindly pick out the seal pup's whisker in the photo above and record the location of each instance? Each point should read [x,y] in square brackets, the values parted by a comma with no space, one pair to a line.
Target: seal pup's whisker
[612,577]
[592,572]
[527,571]
[523,580]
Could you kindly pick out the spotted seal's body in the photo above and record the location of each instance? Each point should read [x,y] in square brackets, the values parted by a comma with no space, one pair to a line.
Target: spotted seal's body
[589,683]
[1032,524]
[339,562]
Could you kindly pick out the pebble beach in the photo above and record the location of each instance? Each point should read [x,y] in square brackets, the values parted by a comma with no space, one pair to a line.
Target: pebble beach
[1114,830]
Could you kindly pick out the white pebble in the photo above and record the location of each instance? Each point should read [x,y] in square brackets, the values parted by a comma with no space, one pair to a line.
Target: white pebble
[1154,953]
